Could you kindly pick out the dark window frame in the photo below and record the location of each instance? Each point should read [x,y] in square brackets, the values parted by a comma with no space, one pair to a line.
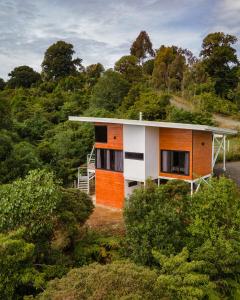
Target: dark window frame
[176,151]
[138,155]
[103,135]
[111,164]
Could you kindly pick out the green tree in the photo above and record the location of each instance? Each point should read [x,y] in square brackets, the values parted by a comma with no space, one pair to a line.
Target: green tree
[169,66]
[109,91]
[142,46]
[155,217]
[29,202]
[23,76]
[5,113]
[2,84]
[65,148]
[220,60]
[153,106]
[58,61]
[180,278]
[128,66]
[214,227]
[93,72]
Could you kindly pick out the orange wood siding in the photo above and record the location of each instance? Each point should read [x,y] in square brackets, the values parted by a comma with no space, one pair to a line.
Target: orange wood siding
[115,137]
[176,139]
[202,153]
[109,188]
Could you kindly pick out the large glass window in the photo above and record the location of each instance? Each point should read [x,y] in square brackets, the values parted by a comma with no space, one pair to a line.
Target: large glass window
[108,159]
[176,162]
[101,134]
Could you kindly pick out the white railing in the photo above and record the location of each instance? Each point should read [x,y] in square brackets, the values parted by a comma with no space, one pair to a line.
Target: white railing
[87,173]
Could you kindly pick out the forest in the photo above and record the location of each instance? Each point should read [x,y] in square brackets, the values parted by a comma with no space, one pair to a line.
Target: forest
[174,246]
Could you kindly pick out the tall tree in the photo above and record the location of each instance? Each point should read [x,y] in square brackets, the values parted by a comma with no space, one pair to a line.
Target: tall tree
[220,60]
[23,76]
[58,61]
[2,84]
[142,46]
[169,65]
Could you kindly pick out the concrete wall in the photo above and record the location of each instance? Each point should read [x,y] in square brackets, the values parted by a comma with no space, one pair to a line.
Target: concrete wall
[152,152]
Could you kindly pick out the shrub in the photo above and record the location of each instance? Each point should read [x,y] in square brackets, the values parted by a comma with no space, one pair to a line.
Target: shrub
[155,217]
[119,280]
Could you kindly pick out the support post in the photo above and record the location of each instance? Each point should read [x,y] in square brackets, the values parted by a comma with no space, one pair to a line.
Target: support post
[224,153]
[191,188]
[159,181]
[213,152]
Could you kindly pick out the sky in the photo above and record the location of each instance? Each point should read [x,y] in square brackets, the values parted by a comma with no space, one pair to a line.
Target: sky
[103,30]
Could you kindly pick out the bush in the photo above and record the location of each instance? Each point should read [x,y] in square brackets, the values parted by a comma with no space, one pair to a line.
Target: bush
[182,116]
[119,280]
[18,274]
[155,217]
[94,247]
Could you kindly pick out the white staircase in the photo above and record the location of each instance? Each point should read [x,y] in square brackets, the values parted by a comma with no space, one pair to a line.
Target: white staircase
[86,173]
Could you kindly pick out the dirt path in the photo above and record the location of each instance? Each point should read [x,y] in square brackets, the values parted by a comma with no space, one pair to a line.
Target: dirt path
[106,219]
[222,121]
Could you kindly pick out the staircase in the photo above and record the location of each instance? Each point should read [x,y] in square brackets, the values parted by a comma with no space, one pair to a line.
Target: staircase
[86,173]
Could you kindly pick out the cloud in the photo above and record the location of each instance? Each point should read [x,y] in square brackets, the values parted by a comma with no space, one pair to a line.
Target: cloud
[103,30]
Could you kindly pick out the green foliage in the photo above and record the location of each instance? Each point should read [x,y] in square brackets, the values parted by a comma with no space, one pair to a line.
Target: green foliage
[29,202]
[119,280]
[220,60]
[169,66]
[180,278]
[209,102]
[94,247]
[23,76]
[109,91]
[73,209]
[177,115]
[215,226]
[19,162]
[93,72]
[155,217]
[58,61]
[128,66]
[5,112]
[18,274]
[65,147]
[2,84]
[148,67]
[152,104]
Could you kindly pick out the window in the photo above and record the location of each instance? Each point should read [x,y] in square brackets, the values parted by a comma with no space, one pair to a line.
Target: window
[134,155]
[176,162]
[108,159]
[101,134]
[132,183]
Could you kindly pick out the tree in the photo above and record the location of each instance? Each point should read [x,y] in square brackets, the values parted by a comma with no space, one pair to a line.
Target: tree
[153,106]
[93,72]
[23,76]
[155,217]
[169,66]
[2,84]
[109,91]
[220,60]
[128,66]
[58,61]
[142,46]
[30,202]
[180,278]
[5,113]
[214,228]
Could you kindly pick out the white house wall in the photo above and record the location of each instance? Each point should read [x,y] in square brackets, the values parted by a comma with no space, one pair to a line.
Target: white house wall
[134,141]
[152,152]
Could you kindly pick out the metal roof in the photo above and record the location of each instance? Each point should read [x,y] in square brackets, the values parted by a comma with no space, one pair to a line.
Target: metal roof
[216,130]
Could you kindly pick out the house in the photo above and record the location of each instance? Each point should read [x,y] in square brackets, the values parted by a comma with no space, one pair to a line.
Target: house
[128,152]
